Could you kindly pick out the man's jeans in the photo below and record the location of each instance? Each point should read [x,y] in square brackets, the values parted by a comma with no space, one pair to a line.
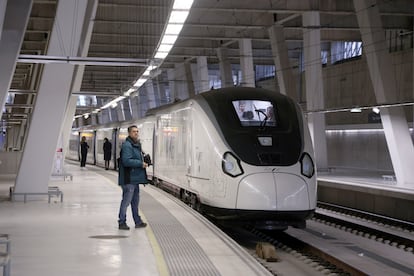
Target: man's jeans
[130,195]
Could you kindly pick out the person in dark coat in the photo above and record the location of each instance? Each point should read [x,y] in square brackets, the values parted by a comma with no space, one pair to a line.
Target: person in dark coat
[84,151]
[107,150]
[132,172]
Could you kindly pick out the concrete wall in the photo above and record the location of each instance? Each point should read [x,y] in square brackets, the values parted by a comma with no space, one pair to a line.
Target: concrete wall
[348,84]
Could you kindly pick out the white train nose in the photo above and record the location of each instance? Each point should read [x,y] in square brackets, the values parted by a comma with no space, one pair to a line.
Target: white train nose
[273,191]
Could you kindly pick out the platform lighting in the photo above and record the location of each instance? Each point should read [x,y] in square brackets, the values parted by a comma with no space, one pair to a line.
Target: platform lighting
[130,91]
[86,115]
[178,15]
[376,110]
[182,4]
[356,110]
[140,82]
[173,29]
[169,39]
[161,55]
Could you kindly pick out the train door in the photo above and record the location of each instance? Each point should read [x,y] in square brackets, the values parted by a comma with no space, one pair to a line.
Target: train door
[199,156]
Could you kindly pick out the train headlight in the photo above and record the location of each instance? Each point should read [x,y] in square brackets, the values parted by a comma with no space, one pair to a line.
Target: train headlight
[231,165]
[307,168]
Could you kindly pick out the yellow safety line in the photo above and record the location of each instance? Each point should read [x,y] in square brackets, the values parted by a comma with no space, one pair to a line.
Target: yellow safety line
[159,257]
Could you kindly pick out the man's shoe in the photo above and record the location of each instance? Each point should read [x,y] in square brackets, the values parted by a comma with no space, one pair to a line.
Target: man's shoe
[123,226]
[141,225]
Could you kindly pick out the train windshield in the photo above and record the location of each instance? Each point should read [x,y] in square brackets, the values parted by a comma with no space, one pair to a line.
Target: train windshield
[255,112]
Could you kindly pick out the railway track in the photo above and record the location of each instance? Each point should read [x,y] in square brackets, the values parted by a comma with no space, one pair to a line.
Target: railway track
[367,236]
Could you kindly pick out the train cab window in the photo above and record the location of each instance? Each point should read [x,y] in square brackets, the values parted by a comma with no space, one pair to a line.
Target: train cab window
[255,112]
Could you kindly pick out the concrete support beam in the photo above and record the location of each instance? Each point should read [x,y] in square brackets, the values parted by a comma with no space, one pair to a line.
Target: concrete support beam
[180,81]
[171,83]
[226,75]
[15,21]
[383,80]
[151,97]
[284,72]
[246,63]
[55,87]
[203,83]
[314,85]
[189,79]
[161,90]
[3,4]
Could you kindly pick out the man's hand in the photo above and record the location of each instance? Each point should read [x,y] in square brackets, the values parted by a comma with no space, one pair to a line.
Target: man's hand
[144,165]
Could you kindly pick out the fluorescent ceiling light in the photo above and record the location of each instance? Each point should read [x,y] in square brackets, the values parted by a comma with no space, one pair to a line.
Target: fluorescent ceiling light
[140,82]
[182,4]
[356,110]
[376,110]
[113,105]
[161,55]
[173,29]
[169,39]
[178,16]
[165,47]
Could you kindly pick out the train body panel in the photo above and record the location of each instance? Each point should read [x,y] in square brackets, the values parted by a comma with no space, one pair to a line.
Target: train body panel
[241,153]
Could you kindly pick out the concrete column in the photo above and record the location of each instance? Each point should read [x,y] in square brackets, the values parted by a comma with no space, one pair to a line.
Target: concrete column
[314,85]
[55,87]
[202,74]
[150,89]
[78,76]
[181,84]
[246,63]
[284,73]
[15,21]
[226,75]
[133,103]
[161,88]
[119,109]
[171,83]
[382,74]
[189,79]
[3,5]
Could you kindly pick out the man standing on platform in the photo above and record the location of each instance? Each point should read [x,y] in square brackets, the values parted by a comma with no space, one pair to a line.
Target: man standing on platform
[131,174]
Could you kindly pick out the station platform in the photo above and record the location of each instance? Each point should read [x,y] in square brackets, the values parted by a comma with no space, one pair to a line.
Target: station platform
[373,192]
[80,235]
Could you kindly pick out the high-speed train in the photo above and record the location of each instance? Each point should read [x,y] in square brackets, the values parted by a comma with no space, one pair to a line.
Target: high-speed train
[237,154]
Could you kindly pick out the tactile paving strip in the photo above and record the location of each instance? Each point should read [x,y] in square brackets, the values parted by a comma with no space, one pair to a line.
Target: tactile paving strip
[181,252]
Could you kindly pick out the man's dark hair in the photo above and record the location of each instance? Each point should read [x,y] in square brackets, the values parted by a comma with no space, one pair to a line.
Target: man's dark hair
[131,127]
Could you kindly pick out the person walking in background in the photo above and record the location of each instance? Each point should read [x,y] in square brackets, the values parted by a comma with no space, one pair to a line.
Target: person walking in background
[84,151]
[107,150]
[131,174]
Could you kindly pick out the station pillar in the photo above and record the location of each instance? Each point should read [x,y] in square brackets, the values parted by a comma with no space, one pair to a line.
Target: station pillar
[246,63]
[16,17]
[226,75]
[382,73]
[203,83]
[52,97]
[283,70]
[314,85]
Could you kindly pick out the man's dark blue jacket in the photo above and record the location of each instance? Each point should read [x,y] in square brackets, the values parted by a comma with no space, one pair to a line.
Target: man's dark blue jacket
[131,170]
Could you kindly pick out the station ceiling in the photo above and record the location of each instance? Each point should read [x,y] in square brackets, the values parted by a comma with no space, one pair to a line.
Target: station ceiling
[131,29]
